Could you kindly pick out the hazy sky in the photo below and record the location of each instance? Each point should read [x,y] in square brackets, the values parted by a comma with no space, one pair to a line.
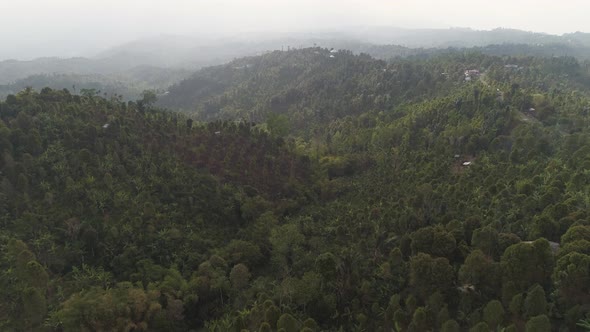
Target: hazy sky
[32,28]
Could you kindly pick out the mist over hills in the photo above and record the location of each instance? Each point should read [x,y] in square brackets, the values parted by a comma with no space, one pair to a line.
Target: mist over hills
[126,82]
[157,63]
[170,51]
[193,52]
[462,37]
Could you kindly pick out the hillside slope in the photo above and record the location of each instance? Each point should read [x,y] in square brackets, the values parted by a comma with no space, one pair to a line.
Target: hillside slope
[93,189]
[324,194]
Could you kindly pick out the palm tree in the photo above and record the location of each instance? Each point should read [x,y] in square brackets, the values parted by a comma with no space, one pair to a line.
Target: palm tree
[584,324]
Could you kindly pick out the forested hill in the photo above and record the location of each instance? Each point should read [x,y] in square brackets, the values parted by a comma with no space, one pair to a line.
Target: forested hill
[329,83]
[316,85]
[126,83]
[326,193]
[98,192]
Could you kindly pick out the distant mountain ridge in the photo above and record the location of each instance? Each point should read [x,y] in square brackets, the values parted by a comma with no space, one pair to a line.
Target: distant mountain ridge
[189,52]
[170,58]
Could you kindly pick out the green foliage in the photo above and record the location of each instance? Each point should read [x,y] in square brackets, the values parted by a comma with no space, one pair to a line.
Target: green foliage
[239,276]
[516,305]
[535,303]
[148,98]
[419,320]
[239,251]
[493,313]
[584,324]
[480,327]
[346,210]
[481,272]
[434,241]
[427,274]
[450,326]
[288,323]
[272,314]
[311,324]
[264,327]
[525,264]
[114,309]
[576,233]
[539,323]
[278,124]
[485,239]
[511,328]
[572,278]
[35,307]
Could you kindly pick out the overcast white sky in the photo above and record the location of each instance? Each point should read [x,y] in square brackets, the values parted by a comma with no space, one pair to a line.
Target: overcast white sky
[31,28]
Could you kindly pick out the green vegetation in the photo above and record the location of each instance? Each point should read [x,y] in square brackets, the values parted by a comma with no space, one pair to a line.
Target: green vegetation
[303,192]
[127,84]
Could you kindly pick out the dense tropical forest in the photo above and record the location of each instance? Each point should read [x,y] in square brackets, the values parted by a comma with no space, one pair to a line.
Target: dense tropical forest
[304,190]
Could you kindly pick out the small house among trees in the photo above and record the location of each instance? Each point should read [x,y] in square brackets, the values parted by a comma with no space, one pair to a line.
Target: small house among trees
[471,74]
